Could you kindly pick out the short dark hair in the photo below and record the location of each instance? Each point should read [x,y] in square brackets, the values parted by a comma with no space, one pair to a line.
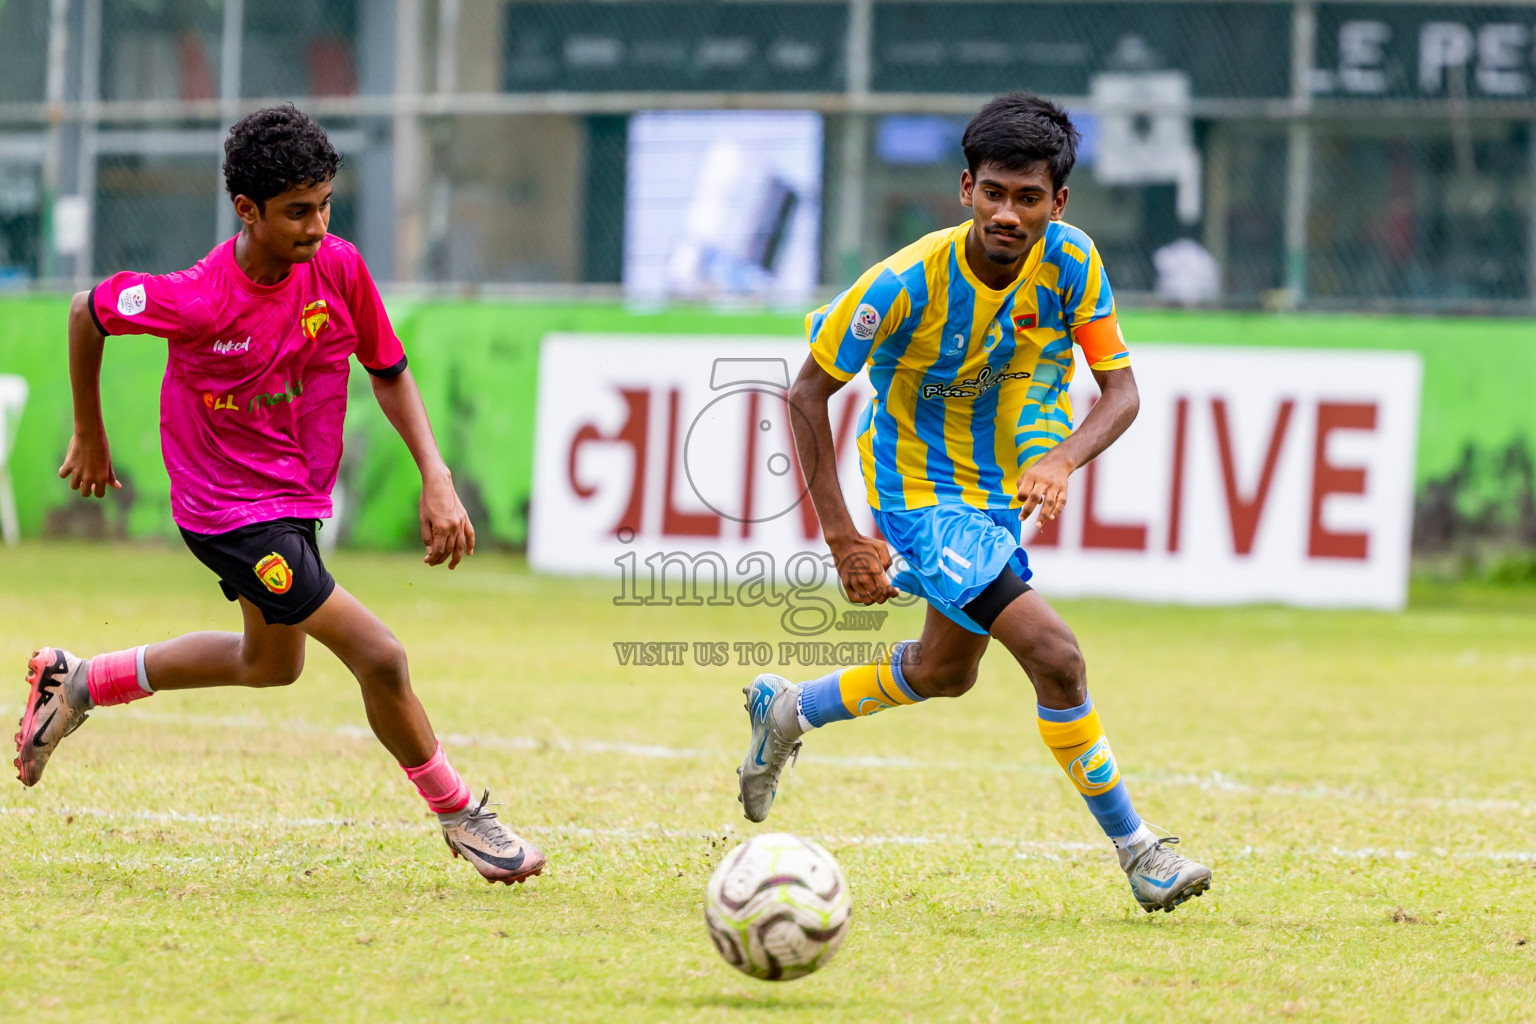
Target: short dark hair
[270,151]
[1017,129]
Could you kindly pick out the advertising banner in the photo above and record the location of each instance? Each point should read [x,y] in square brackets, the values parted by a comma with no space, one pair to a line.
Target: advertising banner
[1240,48]
[1250,475]
[683,45]
[1455,51]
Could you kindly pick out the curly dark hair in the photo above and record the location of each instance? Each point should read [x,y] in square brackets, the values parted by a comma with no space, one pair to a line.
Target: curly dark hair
[270,151]
[1017,129]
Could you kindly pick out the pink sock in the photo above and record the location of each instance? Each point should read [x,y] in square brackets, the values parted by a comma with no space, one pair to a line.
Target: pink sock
[439,785]
[114,678]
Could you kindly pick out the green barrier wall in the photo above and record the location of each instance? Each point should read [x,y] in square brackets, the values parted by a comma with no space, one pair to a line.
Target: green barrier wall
[477,365]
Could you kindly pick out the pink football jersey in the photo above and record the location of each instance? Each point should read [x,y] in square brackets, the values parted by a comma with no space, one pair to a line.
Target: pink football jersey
[255,390]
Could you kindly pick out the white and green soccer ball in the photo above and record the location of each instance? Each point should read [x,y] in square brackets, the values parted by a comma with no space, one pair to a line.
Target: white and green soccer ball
[778,907]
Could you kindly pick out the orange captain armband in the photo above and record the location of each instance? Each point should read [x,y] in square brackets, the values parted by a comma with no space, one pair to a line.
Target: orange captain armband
[1102,343]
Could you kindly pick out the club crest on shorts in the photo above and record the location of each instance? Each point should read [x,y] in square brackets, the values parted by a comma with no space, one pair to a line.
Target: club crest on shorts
[1095,767]
[866,321]
[274,573]
[314,318]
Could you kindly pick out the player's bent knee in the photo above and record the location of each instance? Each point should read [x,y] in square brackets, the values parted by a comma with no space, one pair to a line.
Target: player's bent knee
[957,683]
[281,674]
[272,668]
[386,667]
[1058,661]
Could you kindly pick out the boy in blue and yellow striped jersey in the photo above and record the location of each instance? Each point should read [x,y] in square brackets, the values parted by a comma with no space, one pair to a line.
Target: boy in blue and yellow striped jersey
[968,335]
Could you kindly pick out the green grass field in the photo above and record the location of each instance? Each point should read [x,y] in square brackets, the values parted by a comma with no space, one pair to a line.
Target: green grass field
[1364,786]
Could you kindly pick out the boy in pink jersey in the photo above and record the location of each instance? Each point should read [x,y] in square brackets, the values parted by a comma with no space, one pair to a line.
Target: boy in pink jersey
[251,410]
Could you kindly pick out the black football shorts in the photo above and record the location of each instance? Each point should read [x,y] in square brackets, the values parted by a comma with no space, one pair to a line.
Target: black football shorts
[274,565]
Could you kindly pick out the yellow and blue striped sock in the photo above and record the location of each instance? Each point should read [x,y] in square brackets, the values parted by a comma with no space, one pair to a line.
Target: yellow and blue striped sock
[855,692]
[1077,739]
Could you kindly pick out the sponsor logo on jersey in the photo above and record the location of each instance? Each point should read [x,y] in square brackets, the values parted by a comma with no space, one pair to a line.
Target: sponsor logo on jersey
[225,348]
[314,318]
[974,387]
[274,573]
[1095,767]
[290,394]
[215,402]
[131,301]
[866,321]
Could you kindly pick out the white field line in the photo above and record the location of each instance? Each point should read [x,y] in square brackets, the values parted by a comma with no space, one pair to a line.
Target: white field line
[1022,848]
[1216,782]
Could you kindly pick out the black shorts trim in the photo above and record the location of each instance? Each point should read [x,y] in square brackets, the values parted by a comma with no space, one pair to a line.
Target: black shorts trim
[90,304]
[275,565]
[388,371]
[986,606]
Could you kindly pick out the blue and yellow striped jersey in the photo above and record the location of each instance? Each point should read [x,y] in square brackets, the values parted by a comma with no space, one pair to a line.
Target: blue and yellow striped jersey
[970,384]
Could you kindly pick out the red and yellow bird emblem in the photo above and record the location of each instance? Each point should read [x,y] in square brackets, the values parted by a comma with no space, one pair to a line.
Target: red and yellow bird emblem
[314,318]
[274,573]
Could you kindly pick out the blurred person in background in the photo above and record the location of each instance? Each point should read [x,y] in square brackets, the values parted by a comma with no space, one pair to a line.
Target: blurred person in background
[1187,274]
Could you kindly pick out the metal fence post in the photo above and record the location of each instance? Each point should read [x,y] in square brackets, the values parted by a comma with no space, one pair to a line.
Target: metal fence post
[449,15]
[53,148]
[231,51]
[90,97]
[1298,178]
[407,141]
[850,208]
[1530,215]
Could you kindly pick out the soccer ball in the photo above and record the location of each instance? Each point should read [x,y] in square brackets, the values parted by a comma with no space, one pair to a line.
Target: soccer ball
[778,907]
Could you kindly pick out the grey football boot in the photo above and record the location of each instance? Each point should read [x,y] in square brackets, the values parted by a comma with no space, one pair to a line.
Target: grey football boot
[772,707]
[1160,878]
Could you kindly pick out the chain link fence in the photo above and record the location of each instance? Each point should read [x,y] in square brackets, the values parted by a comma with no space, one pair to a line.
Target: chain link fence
[1236,152]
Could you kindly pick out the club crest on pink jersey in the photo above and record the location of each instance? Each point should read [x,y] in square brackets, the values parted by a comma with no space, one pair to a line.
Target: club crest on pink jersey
[314,318]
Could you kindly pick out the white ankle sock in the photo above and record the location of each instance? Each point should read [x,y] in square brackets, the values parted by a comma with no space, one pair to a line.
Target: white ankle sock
[805,723]
[139,665]
[1140,837]
[455,817]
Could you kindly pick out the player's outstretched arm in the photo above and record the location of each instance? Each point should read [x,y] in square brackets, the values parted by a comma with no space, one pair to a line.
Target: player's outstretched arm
[1044,485]
[88,462]
[861,561]
[446,531]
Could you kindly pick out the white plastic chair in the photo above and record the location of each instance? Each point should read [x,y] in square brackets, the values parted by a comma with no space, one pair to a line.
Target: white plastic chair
[13,399]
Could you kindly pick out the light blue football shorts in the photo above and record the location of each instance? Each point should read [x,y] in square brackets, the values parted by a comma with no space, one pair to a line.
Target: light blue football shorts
[953,552]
